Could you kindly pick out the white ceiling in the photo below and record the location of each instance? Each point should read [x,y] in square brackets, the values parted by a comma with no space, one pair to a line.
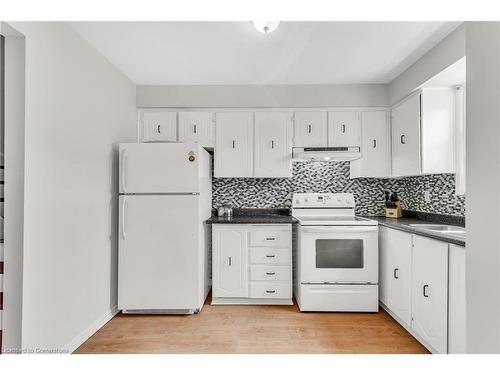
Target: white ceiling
[186,53]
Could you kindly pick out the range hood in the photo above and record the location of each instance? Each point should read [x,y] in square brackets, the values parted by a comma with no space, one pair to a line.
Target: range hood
[326,153]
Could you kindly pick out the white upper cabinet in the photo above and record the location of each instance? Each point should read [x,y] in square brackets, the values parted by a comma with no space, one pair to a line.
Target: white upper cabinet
[438,135]
[406,137]
[234,144]
[375,146]
[423,136]
[158,125]
[273,146]
[310,129]
[430,292]
[344,129]
[197,127]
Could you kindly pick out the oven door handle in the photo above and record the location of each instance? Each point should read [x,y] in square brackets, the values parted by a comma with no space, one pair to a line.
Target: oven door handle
[339,229]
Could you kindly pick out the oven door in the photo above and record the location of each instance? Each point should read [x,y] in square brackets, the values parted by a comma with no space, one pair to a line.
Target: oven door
[339,254]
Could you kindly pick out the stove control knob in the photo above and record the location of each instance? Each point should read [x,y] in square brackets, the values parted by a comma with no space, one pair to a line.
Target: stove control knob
[306,199]
[297,201]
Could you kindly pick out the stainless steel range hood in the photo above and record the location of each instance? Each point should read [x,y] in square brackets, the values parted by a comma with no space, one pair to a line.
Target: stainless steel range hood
[326,153]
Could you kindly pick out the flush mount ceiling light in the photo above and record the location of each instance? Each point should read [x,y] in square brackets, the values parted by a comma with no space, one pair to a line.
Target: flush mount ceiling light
[265,27]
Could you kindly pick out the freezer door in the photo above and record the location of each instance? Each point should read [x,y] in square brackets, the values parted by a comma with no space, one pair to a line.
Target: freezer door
[159,167]
[159,251]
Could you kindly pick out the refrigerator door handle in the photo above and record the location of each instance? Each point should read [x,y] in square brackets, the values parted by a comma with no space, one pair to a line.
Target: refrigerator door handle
[123,164]
[124,215]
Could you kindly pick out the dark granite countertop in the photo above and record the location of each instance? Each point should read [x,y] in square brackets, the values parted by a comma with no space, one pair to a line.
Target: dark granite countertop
[411,217]
[255,216]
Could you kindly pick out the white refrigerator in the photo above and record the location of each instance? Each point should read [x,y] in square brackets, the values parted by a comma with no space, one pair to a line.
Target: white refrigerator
[165,199]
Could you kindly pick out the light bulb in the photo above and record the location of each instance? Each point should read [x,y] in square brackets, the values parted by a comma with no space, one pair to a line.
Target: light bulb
[265,27]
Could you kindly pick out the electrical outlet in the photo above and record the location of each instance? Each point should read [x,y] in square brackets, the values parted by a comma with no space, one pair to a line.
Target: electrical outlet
[427,196]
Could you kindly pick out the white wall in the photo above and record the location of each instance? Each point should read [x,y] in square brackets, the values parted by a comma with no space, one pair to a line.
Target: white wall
[78,107]
[445,53]
[14,186]
[483,192]
[213,96]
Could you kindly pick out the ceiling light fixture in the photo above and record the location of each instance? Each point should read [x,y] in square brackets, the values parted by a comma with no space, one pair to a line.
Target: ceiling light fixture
[265,27]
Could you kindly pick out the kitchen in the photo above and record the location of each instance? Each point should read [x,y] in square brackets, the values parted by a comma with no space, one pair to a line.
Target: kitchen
[319,218]
[302,176]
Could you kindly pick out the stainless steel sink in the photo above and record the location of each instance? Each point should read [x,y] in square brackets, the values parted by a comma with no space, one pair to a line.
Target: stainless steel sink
[445,229]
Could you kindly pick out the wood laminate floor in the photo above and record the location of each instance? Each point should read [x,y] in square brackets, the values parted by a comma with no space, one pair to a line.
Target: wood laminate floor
[255,330]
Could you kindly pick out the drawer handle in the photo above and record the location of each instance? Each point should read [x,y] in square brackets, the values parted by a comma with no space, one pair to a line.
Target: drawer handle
[230,261]
[343,128]
[425,291]
[396,270]
[158,129]
[374,143]
[403,139]
[309,129]
[270,238]
[270,291]
[270,256]
[271,273]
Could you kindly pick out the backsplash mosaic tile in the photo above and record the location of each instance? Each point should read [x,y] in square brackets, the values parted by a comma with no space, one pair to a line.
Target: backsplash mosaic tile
[323,177]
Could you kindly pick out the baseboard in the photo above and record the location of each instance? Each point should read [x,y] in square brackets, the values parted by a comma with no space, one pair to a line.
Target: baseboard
[90,330]
[251,301]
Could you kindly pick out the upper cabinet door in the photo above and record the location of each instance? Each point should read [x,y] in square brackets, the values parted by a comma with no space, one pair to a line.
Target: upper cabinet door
[310,129]
[197,127]
[158,126]
[233,144]
[406,137]
[273,146]
[344,129]
[375,146]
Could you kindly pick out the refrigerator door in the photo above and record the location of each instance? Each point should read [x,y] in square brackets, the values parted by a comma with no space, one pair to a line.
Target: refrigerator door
[159,251]
[159,167]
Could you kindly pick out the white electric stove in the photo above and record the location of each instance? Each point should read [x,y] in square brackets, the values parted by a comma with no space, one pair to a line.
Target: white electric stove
[336,259]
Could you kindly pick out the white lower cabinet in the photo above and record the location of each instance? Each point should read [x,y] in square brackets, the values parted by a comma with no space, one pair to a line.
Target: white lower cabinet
[230,266]
[456,300]
[395,271]
[430,292]
[422,285]
[252,264]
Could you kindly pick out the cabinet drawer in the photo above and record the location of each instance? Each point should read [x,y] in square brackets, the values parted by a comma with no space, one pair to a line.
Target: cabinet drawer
[270,238]
[270,273]
[270,256]
[270,290]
